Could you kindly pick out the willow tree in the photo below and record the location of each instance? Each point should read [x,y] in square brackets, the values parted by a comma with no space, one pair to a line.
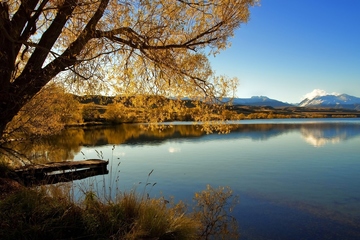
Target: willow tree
[131,46]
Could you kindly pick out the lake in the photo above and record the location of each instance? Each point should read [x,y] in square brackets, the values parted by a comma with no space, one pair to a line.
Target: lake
[295,178]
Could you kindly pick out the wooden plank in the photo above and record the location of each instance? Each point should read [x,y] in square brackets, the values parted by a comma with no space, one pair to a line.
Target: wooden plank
[58,166]
[35,180]
[54,172]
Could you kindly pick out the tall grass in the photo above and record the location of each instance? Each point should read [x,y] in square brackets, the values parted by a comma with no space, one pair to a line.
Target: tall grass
[41,214]
[53,212]
[34,214]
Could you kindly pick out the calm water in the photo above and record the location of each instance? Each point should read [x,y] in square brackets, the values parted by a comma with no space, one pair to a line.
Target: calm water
[296,179]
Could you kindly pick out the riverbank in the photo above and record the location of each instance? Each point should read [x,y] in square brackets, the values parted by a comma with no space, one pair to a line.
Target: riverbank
[246,113]
[52,212]
[99,110]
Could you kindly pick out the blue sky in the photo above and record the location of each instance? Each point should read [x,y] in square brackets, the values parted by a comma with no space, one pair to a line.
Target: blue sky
[291,47]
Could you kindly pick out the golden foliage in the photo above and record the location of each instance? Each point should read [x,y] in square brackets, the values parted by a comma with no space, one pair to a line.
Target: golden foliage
[130,48]
[47,113]
[154,47]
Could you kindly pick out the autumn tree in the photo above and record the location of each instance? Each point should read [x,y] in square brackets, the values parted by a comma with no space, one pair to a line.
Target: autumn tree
[47,113]
[133,47]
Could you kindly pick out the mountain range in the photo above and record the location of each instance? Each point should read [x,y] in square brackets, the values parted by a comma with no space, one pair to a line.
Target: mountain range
[332,101]
[337,101]
[341,101]
[258,101]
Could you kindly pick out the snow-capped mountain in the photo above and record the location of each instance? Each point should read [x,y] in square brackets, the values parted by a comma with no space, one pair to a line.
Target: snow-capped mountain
[332,101]
[258,101]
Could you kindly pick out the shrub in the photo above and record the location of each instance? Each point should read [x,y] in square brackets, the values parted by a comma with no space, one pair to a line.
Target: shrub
[213,208]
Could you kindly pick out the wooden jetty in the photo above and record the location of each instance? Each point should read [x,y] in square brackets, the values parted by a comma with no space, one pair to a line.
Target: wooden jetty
[54,172]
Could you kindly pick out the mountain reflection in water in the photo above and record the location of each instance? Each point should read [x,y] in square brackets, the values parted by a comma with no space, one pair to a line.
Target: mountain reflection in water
[329,133]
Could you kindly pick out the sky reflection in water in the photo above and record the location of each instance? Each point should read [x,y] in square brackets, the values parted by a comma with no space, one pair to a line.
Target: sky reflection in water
[298,167]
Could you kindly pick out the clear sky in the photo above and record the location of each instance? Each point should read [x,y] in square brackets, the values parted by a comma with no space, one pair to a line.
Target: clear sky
[291,47]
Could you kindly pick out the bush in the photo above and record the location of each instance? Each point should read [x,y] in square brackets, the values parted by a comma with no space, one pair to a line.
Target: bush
[213,208]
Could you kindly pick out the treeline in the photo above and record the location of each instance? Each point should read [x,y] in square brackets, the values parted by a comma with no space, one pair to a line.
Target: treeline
[53,109]
[160,109]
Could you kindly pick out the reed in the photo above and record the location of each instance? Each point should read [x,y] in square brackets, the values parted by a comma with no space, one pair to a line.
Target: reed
[55,212]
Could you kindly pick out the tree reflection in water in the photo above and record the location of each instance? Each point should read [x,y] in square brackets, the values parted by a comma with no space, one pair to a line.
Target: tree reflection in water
[67,144]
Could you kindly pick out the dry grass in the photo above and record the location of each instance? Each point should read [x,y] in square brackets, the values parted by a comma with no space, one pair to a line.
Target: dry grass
[53,213]
[43,214]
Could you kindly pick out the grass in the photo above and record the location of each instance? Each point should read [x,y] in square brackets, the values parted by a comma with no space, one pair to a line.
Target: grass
[51,213]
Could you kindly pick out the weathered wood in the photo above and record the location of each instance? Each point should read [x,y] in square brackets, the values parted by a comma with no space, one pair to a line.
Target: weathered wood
[67,165]
[54,172]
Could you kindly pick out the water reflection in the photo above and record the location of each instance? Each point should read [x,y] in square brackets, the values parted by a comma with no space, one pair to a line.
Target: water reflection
[319,135]
[69,143]
[283,181]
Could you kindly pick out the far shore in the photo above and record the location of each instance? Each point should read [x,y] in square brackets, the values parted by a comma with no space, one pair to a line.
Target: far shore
[247,113]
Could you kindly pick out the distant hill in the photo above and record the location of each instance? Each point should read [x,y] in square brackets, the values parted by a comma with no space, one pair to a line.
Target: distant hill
[97,99]
[257,101]
[342,101]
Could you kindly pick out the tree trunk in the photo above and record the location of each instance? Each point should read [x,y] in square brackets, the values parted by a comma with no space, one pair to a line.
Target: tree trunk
[8,109]
[17,95]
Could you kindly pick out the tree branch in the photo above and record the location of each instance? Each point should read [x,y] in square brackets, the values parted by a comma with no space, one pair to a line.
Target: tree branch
[137,41]
[31,26]
[50,36]
[21,17]
[69,55]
